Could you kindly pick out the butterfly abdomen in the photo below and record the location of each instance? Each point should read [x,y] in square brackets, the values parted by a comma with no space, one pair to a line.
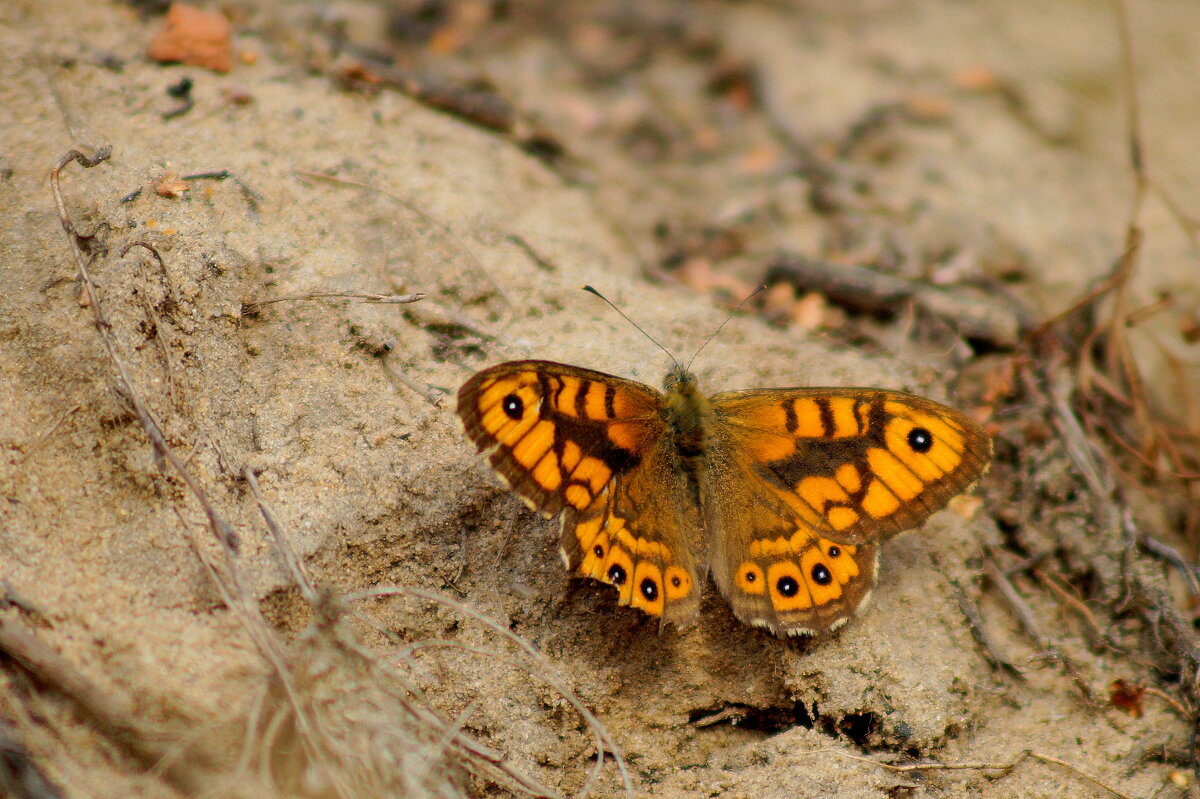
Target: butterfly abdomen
[689,418]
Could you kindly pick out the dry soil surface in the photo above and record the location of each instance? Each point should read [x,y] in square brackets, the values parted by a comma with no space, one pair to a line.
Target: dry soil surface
[960,142]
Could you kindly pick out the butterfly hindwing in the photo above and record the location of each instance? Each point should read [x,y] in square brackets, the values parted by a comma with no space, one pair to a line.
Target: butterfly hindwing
[826,473]
[593,447]
[641,538]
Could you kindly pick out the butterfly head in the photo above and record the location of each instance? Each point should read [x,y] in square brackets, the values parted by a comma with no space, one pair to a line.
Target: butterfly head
[679,381]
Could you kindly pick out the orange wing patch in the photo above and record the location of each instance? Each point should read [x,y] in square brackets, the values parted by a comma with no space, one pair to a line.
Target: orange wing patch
[678,583]
[642,570]
[864,462]
[556,434]
[802,572]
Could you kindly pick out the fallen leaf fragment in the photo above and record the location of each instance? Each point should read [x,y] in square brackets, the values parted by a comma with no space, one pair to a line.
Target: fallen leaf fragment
[192,36]
[171,186]
[1126,696]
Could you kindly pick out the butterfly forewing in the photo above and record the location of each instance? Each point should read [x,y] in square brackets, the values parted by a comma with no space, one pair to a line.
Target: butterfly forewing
[593,447]
[829,472]
[860,463]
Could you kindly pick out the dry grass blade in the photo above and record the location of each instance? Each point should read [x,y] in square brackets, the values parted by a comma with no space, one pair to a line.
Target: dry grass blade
[424,216]
[426,392]
[20,777]
[254,306]
[287,730]
[299,577]
[1005,766]
[1017,602]
[44,437]
[220,528]
[112,715]
[1029,624]
[498,657]
[544,670]
[975,622]
[328,639]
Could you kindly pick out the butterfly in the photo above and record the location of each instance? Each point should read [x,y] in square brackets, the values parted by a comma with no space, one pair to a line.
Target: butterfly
[782,495]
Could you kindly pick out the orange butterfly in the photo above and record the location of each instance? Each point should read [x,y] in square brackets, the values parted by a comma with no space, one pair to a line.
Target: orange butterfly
[782,494]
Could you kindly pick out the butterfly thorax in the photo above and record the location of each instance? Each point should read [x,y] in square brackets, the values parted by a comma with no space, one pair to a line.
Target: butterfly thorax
[689,415]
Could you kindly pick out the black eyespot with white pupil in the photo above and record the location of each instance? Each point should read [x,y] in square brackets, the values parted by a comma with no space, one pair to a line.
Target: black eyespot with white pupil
[616,574]
[513,407]
[920,439]
[676,582]
[649,589]
[787,586]
[835,551]
[821,575]
[750,576]
[598,551]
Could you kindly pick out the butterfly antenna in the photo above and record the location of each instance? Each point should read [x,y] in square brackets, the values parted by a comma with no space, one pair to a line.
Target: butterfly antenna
[591,290]
[732,313]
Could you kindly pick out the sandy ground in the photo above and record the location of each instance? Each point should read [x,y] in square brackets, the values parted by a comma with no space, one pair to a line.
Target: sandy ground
[964,143]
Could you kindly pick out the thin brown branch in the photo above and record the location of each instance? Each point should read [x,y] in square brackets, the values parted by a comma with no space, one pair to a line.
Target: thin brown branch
[1054,584]
[298,575]
[112,717]
[426,392]
[975,622]
[1005,766]
[978,316]
[220,528]
[253,306]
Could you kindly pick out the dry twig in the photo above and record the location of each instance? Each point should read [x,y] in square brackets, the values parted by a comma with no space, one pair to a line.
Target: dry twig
[1005,766]
[112,716]
[543,670]
[975,622]
[254,306]
[220,528]
[975,316]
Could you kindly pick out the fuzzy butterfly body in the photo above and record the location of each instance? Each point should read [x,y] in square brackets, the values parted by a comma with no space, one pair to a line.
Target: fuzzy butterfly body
[782,494]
